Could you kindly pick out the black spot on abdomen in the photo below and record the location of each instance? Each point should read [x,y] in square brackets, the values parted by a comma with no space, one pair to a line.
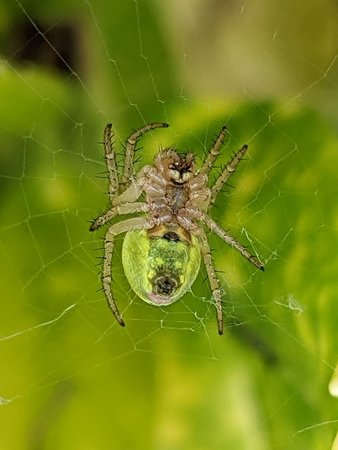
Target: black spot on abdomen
[171,236]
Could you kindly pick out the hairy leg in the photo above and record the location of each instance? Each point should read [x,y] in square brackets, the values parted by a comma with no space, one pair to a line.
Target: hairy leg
[111,162]
[117,228]
[232,242]
[214,152]
[230,168]
[213,280]
[125,208]
[130,151]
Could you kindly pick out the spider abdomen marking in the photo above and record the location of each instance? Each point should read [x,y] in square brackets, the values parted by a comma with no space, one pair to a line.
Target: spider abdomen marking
[171,236]
[160,269]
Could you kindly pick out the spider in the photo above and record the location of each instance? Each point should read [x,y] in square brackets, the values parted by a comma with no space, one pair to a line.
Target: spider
[163,247]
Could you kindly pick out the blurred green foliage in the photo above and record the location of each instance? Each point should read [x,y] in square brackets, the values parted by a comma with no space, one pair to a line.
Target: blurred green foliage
[71,378]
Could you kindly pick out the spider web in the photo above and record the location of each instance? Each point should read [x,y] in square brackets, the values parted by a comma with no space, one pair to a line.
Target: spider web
[269,73]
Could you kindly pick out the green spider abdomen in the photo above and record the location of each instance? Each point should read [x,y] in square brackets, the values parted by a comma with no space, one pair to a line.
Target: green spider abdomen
[160,269]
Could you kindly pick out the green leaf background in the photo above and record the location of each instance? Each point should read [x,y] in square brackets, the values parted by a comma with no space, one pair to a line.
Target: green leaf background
[70,376]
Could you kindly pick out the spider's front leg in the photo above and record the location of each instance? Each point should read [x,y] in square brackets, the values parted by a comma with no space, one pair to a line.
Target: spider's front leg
[230,169]
[213,280]
[110,162]
[130,151]
[116,186]
[114,230]
[214,151]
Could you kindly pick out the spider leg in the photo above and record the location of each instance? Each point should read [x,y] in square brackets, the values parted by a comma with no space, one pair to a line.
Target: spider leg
[117,228]
[232,242]
[214,151]
[130,150]
[110,161]
[213,280]
[230,168]
[125,208]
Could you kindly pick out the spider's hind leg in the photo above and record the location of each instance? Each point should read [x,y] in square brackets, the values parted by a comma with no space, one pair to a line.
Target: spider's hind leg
[118,228]
[213,280]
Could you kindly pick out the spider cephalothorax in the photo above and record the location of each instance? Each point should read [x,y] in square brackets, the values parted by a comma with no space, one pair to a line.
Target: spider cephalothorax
[162,249]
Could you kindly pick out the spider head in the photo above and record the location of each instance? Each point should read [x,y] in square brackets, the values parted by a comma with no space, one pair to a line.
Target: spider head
[178,168]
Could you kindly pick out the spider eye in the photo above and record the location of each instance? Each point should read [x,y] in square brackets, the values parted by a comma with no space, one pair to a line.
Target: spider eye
[173,166]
